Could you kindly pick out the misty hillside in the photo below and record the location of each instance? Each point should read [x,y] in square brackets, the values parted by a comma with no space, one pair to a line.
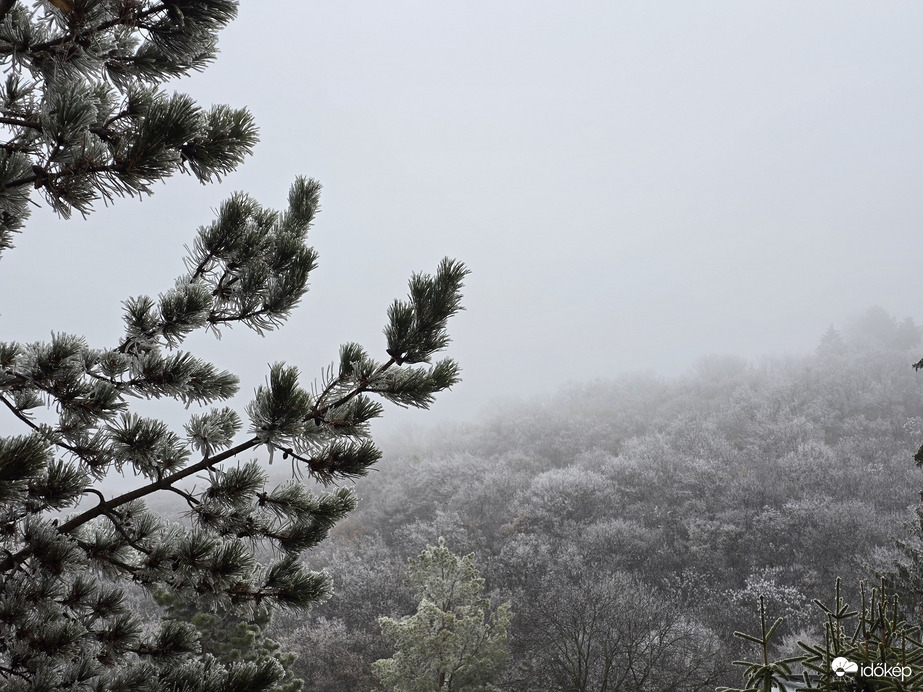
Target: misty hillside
[691,496]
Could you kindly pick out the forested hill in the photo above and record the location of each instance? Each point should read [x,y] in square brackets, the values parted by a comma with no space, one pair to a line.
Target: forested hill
[644,502]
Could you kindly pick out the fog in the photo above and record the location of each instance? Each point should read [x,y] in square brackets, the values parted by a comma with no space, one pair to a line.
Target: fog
[632,185]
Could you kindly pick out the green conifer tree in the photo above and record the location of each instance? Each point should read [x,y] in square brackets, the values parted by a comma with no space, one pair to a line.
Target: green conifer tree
[232,638]
[452,642]
[864,649]
[85,121]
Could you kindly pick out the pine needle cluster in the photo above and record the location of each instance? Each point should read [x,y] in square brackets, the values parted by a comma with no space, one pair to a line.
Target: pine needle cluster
[81,111]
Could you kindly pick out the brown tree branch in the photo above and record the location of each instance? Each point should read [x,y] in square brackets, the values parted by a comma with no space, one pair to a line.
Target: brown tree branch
[19,122]
[164,483]
[69,38]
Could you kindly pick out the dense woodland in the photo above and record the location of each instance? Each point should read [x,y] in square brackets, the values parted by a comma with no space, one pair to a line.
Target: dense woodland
[642,504]
[632,524]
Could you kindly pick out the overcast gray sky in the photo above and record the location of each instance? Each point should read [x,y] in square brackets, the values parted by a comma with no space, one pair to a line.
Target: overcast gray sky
[633,185]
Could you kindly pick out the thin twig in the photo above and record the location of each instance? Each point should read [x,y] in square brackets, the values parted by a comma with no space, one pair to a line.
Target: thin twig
[25,419]
[362,388]
[190,500]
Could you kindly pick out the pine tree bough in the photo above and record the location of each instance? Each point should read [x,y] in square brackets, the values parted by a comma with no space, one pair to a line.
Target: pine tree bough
[82,115]
[85,121]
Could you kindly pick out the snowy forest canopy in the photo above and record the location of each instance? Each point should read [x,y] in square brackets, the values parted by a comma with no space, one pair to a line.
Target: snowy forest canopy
[618,508]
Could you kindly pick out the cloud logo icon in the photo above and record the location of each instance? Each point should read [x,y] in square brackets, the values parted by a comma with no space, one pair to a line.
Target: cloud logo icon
[842,665]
